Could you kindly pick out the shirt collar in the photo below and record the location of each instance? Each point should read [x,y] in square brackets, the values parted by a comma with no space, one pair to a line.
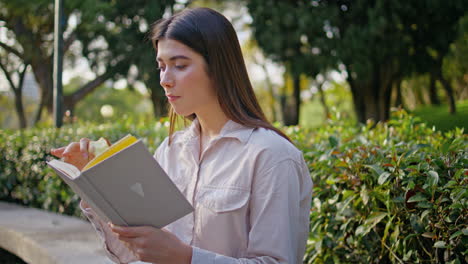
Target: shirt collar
[230,130]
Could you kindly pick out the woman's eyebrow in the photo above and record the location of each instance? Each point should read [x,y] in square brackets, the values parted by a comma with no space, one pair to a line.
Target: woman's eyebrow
[175,58]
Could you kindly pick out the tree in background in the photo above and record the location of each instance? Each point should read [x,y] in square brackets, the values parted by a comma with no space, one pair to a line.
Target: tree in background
[278,27]
[111,35]
[455,65]
[379,42]
[432,27]
[10,66]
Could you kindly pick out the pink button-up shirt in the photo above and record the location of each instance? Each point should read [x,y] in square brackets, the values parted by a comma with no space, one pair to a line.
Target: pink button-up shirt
[251,191]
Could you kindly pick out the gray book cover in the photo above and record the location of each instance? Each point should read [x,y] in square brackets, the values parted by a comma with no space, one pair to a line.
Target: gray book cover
[129,188]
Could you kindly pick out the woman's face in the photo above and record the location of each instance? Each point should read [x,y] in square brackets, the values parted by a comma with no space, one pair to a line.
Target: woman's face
[186,83]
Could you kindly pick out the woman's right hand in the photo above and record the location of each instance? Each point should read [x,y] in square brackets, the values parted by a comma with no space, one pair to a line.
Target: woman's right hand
[76,153]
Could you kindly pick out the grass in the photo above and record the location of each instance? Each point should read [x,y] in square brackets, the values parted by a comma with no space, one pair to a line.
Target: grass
[312,115]
[440,117]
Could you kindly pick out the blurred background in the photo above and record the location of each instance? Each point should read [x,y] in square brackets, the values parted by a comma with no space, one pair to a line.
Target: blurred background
[306,59]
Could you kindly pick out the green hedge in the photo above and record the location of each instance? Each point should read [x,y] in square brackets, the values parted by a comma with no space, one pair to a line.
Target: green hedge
[387,193]
[383,193]
[26,179]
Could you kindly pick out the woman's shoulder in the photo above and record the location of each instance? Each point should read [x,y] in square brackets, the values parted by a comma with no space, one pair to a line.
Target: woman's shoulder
[278,159]
[271,144]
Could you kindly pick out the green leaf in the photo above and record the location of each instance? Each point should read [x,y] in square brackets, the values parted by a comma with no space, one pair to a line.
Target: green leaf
[455,234]
[455,261]
[446,146]
[377,169]
[440,244]
[424,204]
[375,218]
[383,177]
[364,196]
[433,178]
[458,174]
[361,230]
[428,235]
[425,213]
[419,197]
[333,141]
[450,183]
[465,231]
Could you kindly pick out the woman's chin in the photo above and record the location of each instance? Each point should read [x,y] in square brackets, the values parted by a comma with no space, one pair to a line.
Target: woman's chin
[181,112]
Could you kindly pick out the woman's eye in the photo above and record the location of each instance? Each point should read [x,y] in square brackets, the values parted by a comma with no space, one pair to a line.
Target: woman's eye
[160,68]
[180,67]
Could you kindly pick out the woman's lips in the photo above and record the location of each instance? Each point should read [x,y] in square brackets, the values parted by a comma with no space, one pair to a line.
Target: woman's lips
[172,98]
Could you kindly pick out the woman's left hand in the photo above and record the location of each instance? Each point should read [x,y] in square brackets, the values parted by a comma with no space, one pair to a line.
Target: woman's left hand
[154,245]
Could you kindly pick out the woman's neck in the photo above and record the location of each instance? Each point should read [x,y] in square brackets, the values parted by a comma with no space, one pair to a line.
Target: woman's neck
[211,125]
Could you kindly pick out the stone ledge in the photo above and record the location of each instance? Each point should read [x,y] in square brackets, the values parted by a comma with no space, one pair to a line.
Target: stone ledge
[42,237]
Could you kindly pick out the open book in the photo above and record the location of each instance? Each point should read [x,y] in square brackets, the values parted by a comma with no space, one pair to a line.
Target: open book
[126,186]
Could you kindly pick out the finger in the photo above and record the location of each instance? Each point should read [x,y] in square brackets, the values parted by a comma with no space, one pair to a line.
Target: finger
[71,148]
[84,144]
[58,152]
[129,241]
[130,232]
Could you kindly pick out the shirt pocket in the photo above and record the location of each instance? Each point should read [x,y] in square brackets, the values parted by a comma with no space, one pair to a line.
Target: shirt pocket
[221,222]
[222,199]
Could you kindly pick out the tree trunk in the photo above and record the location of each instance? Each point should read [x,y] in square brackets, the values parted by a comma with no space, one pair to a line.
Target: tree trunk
[323,100]
[384,87]
[17,91]
[20,109]
[19,98]
[269,85]
[399,98]
[291,105]
[433,97]
[42,70]
[449,90]
[371,97]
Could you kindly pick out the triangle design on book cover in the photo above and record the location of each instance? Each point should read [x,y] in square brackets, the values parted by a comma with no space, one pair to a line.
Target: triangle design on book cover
[138,188]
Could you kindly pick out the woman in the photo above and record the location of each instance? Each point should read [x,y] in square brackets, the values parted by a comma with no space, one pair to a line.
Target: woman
[249,186]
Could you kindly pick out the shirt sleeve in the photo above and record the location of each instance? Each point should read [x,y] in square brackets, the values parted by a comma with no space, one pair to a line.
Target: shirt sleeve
[279,218]
[114,248]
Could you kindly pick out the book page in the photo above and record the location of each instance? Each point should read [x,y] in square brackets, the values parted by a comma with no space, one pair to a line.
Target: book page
[68,169]
[123,143]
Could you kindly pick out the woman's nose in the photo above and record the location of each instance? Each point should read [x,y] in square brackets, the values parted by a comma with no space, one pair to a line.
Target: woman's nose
[166,79]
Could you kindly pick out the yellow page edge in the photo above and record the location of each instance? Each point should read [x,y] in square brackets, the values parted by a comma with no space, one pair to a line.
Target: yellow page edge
[114,148]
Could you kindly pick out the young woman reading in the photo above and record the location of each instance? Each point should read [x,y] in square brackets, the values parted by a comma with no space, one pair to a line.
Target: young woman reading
[248,184]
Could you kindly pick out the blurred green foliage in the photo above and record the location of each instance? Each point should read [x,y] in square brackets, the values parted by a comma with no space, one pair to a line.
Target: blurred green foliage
[378,43]
[392,192]
[337,97]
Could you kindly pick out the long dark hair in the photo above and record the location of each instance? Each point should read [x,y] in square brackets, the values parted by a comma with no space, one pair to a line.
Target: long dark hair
[210,34]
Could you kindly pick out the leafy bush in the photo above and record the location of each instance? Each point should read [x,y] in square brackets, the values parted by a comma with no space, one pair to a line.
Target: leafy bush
[387,193]
[383,193]
[26,179]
